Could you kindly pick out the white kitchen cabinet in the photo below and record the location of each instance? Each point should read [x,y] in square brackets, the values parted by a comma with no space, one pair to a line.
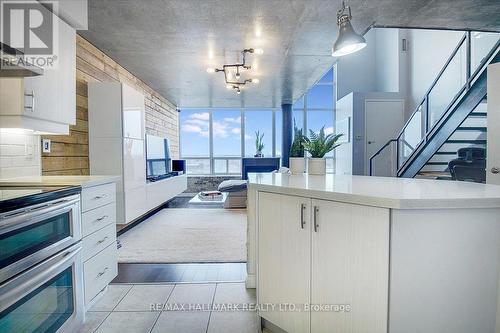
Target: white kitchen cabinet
[321,252]
[117,147]
[116,143]
[133,114]
[45,103]
[350,256]
[134,165]
[284,276]
[135,202]
[386,254]
[66,83]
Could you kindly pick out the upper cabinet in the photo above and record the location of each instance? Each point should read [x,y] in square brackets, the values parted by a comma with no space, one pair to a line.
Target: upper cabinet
[133,114]
[44,103]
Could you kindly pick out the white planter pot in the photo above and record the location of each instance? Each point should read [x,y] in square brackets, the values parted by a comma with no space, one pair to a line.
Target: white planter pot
[316,166]
[297,165]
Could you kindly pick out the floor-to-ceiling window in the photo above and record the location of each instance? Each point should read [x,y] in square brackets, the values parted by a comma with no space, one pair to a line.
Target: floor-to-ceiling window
[316,110]
[226,129]
[213,141]
[195,140]
[260,121]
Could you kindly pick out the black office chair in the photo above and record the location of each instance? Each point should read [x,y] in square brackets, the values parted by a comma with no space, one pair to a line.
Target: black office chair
[470,165]
[470,174]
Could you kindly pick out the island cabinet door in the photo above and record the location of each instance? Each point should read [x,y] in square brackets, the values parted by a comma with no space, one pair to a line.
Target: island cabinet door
[350,268]
[284,256]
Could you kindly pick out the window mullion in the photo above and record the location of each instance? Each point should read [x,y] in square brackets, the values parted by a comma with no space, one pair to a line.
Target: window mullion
[273,131]
[242,131]
[211,142]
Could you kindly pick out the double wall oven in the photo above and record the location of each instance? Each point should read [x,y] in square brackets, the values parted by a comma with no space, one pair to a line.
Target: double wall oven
[41,287]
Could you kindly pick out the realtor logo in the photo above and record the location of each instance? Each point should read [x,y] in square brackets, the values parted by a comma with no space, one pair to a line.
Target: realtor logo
[28,26]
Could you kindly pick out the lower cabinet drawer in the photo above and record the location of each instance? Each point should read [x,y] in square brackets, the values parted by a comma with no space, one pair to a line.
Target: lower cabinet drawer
[98,241]
[99,271]
[97,196]
[98,218]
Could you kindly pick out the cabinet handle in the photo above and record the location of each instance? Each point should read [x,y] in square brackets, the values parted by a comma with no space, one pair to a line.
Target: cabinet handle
[315,216]
[102,273]
[102,240]
[32,107]
[100,197]
[302,213]
[101,218]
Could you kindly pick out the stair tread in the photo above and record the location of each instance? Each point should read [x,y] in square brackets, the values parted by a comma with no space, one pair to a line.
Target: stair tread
[478,114]
[472,128]
[433,175]
[467,141]
[445,153]
[436,163]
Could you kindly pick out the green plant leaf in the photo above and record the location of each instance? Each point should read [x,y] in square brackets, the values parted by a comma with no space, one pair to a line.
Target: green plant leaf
[319,144]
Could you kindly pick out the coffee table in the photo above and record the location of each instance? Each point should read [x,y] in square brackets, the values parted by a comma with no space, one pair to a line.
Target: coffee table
[197,201]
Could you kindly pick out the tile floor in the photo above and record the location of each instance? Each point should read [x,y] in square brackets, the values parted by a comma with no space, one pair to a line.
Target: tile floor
[127,308]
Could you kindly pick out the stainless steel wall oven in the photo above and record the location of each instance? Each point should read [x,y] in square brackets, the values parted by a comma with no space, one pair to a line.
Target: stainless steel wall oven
[41,278]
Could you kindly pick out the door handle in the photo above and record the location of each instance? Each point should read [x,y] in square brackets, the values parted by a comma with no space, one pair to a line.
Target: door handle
[315,217]
[495,170]
[302,214]
[370,142]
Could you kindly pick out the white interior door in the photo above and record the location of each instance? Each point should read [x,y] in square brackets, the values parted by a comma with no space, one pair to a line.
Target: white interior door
[383,120]
[284,257]
[493,147]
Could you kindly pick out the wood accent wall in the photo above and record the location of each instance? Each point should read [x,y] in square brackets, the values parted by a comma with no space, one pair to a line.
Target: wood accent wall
[70,153]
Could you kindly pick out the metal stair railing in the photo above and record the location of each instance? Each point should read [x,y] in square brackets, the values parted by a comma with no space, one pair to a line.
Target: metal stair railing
[420,117]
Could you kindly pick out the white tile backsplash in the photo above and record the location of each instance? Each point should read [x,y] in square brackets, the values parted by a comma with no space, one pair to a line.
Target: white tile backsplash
[20,154]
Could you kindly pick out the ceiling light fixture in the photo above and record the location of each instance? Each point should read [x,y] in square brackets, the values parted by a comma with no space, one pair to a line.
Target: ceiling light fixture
[237,85]
[348,41]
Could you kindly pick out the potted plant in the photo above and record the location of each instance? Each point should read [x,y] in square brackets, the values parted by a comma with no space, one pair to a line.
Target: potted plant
[318,145]
[259,144]
[297,161]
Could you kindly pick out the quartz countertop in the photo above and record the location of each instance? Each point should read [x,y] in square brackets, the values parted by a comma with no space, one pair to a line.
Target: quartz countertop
[388,192]
[83,181]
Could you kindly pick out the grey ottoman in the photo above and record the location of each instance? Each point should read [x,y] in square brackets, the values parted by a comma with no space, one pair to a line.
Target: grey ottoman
[236,193]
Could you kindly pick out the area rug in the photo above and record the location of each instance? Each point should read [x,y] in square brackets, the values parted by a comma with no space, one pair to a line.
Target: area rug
[187,235]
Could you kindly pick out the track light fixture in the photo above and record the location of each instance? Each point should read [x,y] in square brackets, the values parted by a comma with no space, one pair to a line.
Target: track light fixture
[237,85]
[348,41]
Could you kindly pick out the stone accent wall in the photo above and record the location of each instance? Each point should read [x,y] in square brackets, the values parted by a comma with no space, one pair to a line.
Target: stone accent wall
[70,153]
[205,183]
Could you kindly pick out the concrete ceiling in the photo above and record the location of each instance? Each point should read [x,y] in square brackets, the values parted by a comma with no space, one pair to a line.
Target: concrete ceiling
[170,43]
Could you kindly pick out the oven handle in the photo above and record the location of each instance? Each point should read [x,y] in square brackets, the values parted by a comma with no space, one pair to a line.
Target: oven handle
[29,216]
[25,283]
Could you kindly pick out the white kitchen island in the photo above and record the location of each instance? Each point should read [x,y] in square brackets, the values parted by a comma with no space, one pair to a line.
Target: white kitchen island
[379,254]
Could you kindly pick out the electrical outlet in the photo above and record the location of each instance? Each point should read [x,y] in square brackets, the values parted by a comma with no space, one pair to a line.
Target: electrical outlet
[45,146]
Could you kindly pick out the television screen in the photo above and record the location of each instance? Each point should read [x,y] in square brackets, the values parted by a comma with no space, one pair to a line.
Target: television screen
[157,156]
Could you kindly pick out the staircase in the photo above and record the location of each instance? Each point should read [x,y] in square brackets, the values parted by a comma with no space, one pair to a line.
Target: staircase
[446,120]
[471,133]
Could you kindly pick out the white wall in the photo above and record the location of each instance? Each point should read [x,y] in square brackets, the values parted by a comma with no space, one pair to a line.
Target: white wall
[428,52]
[350,157]
[20,154]
[343,153]
[356,72]
[387,60]
[373,69]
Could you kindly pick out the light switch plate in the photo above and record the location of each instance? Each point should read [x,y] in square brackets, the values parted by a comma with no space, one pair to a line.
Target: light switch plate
[45,146]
